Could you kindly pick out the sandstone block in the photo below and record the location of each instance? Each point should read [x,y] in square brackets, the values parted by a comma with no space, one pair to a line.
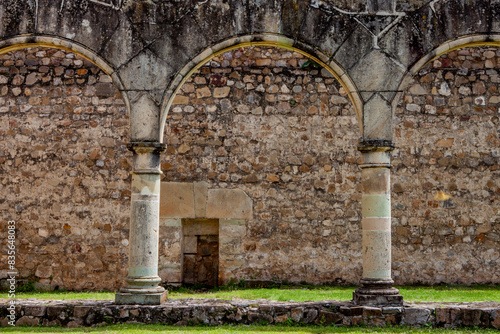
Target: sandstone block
[203,92]
[221,92]
[177,200]
[181,99]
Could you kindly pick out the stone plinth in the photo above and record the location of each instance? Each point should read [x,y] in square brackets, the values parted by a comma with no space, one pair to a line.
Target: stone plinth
[215,312]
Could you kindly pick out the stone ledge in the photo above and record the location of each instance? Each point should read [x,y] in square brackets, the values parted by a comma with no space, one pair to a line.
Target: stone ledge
[239,311]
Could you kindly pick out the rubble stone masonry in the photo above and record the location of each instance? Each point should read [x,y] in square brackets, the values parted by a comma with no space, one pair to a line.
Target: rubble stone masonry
[446,184]
[275,125]
[65,169]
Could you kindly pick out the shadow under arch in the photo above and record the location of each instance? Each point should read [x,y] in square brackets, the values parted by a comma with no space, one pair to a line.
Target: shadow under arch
[271,40]
[451,45]
[22,42]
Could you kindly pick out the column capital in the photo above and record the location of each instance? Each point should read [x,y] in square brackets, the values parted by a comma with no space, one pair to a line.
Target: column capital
[375,145]
[146,147]
[375,153]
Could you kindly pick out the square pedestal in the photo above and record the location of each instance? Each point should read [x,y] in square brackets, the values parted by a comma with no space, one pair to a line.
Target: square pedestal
[377,299]
[141,298]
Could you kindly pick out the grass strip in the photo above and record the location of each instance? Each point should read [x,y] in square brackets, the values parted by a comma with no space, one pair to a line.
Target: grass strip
[440,293]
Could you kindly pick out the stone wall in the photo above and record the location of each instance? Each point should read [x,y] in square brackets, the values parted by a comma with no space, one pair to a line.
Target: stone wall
[270,123]
[446,188]
[214,312]
[283,130]
[65,170]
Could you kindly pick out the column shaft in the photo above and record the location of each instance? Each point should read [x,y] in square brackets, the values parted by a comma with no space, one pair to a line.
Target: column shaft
[142,280]
[376,225]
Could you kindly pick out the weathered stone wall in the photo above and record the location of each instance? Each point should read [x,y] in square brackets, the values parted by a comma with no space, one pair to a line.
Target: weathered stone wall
[447,134]
[65,170]
[265,121]
[239,118]
[256,119]
[213,312]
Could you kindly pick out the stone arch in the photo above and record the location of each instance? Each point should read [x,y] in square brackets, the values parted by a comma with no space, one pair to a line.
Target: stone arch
[272,40]
[278,135]
[448,46]
[21,42]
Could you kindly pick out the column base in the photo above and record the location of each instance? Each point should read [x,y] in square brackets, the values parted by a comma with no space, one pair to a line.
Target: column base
[142,291]
[377,293]
[141,298]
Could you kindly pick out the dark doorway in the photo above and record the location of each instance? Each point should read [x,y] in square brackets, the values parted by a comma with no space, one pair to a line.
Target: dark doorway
[200,263]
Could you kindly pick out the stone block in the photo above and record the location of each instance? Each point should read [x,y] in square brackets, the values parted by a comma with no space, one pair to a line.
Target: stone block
[471,317]
[377,300]
[372,311]
[448,316]
[155,73]
[231,245]
[200,198]
[221,92]
[229,203]
[191,227]
[495,316]
[144,117]
[326,318]
[190,244]
[81,311]
[43,271]
[180,99]
[377,119]
[297,313]
[55,312]
[141,299]
[170,273]
[363,41]
[37,311]
[74,324]
[415,316]
[177,200]
[28,321]
[232,231]
[169,224]
[124,35]
[310,316]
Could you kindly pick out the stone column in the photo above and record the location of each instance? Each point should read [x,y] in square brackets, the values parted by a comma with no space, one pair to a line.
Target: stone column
[376,283]
[142,280]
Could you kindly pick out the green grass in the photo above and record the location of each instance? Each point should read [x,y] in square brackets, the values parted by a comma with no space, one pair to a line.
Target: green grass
[439,293]
[135,328]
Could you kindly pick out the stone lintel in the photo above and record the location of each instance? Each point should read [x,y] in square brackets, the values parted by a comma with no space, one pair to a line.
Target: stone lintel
[195,200]
[200,227]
